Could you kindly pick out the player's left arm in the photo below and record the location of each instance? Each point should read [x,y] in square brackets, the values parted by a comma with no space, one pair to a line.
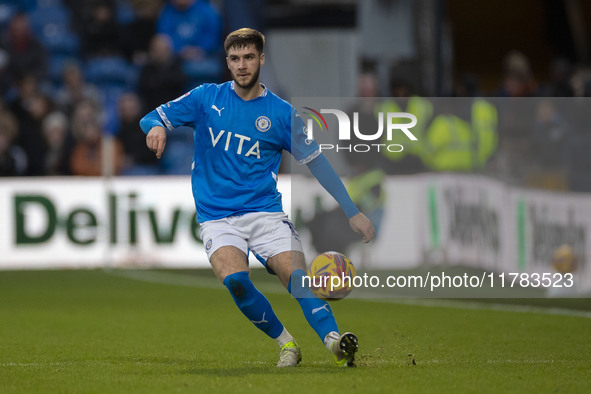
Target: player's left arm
[326,175]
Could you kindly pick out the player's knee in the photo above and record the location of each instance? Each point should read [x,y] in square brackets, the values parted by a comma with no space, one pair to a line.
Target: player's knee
[297,285]
[238,283]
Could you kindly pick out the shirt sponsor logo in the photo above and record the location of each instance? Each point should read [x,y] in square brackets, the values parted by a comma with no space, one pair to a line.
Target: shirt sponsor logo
[244,146]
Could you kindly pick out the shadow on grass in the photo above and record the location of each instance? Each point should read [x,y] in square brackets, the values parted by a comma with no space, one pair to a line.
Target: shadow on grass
[194,366]
[262,370]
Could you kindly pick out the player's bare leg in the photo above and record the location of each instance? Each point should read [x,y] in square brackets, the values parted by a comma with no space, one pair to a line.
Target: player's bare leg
[228,260]
[284,264]
[231,267]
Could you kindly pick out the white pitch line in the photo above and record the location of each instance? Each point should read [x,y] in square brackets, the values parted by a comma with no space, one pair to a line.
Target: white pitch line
[472,305]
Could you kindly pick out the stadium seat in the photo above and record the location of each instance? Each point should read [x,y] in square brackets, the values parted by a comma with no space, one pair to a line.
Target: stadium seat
[7,10]
[113,76]
[124,13]
[202,71]
[111,120]
[51,25]
[30,5]
[50,18]
[26,5]
[61,42]
[110,71]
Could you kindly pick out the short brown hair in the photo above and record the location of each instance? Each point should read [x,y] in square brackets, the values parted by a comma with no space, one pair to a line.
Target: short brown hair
[244,37]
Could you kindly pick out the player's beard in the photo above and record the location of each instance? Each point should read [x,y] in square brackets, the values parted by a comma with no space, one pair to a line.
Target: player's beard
[253,81]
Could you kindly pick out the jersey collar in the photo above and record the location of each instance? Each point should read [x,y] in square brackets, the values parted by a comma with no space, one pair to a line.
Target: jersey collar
[263,93]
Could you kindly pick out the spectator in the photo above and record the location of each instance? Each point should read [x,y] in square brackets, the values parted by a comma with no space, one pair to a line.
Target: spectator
[59,144]
[162,78]
[139,160]
[365,186]
[86,156]
[25,53]
[561,71]
[30,107]
[366,108]
[518,80]
[467,85]
[194,27]
[551,132]
[580,82]
[403,98]
[5,81]
[74,89]
[13,160]
[139,32]
[77,9]
[101,32]
[515,117]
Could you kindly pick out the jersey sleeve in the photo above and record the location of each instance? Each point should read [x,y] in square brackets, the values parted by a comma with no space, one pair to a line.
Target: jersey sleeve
[183,110]
[303,149]
[330,180]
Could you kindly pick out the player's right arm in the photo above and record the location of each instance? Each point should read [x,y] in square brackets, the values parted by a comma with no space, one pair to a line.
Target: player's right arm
[152,125]
[175,113]
[156,140]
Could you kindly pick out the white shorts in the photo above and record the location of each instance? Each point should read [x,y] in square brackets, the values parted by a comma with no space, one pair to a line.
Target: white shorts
[265,234]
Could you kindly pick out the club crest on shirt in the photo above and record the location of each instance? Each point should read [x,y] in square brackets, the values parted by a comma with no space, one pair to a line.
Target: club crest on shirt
[263,124]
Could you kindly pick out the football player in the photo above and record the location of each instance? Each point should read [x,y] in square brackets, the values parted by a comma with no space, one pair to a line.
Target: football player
[240,130]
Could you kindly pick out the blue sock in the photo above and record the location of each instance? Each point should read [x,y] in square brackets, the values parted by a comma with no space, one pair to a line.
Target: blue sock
[317,311]
[253,304]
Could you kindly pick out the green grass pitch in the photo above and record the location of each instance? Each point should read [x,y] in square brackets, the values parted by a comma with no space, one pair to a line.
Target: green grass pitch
[177,331]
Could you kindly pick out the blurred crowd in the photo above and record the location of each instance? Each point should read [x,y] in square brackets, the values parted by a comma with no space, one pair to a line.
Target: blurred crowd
[74,72]
[545,142]
[524,132]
